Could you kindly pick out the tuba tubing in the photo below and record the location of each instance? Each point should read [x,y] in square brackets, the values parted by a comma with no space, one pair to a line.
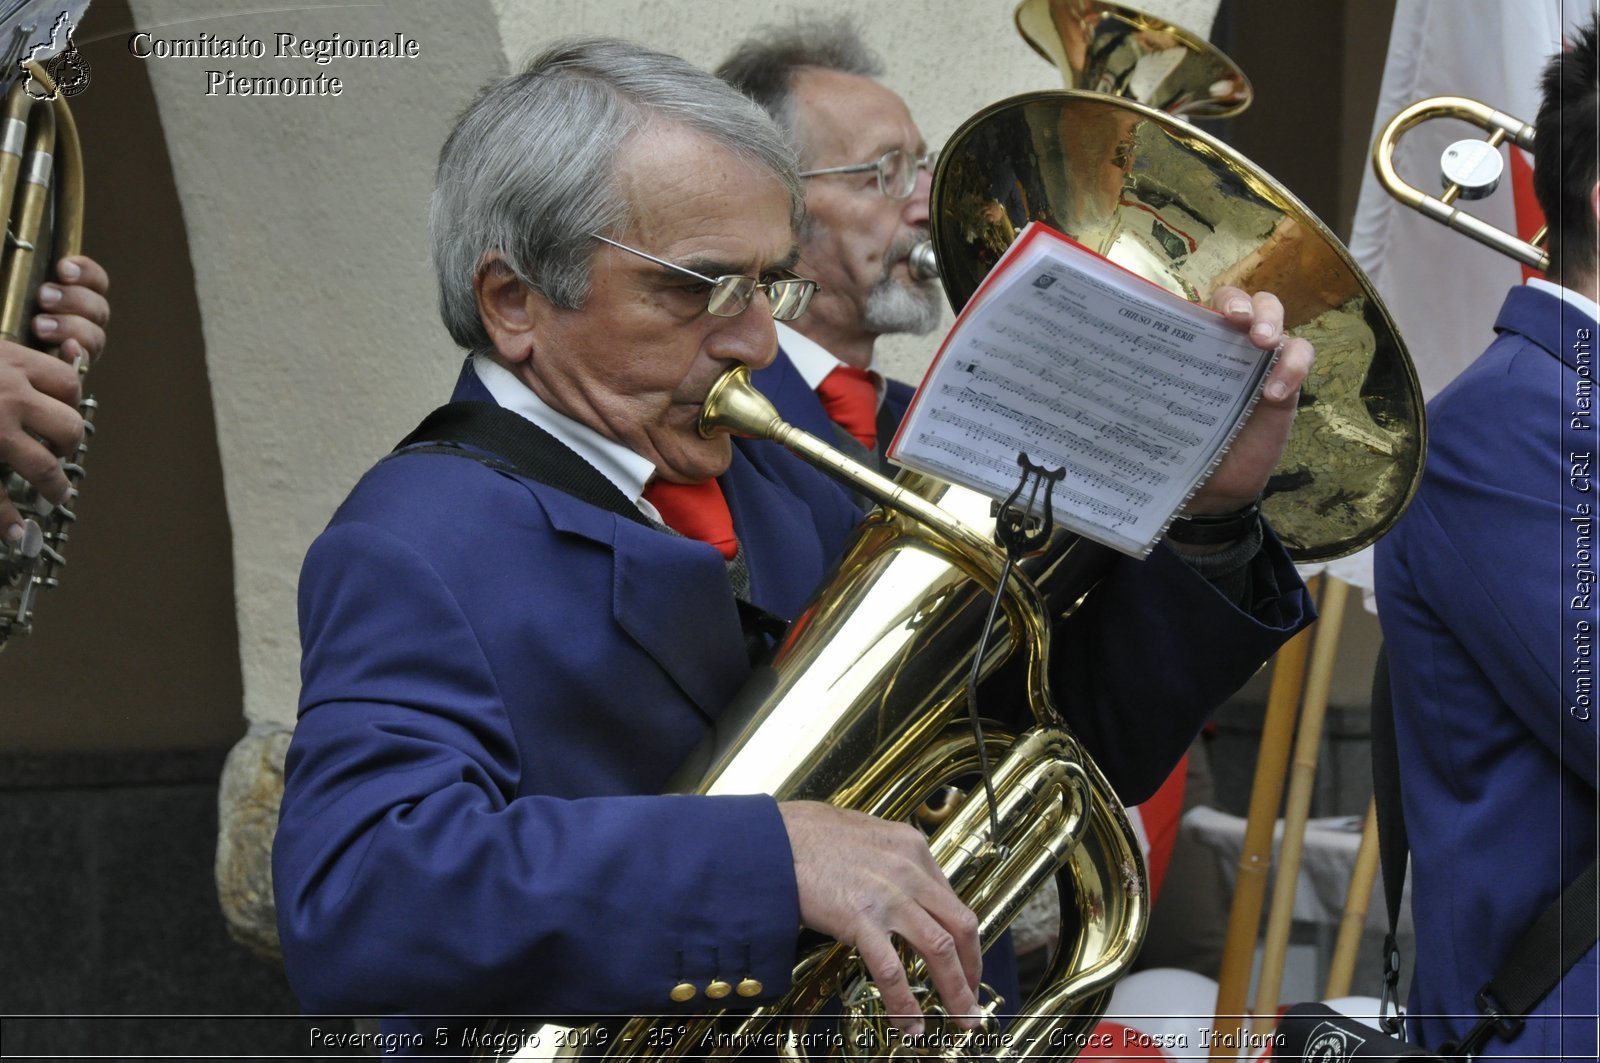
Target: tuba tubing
[1500,127]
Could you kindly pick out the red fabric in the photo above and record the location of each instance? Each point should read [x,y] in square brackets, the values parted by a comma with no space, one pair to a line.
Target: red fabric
[1161,815]
[696,510]
[850,397]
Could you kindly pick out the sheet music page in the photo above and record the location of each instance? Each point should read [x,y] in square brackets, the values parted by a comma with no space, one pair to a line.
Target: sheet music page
[1081,365]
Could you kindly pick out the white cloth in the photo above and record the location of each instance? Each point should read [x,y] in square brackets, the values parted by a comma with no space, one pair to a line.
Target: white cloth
[627,470]
[811,359]
[1326,860]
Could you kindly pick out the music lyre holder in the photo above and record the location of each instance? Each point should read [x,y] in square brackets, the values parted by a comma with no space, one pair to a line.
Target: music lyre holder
[1020,533]
[1018,530]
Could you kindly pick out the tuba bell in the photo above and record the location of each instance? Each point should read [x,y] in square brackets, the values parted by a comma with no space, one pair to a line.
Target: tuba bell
[1122,51]
[1470,169]
[864,702]
[1183,210]
[41,196]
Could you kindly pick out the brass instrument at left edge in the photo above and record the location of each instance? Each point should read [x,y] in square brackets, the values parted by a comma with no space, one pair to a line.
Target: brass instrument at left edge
[41,196]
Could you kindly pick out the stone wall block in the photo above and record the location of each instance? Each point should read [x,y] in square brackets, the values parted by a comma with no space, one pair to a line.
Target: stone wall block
[247,816]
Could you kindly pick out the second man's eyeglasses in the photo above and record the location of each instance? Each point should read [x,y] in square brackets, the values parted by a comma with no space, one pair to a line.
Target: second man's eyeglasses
[897,171]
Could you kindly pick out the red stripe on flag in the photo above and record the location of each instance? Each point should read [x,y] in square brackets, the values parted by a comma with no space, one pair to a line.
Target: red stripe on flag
[1161,815]
[1529,217]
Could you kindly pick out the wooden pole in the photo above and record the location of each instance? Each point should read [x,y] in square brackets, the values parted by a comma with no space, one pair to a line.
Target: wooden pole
[1297,809]
[1341,970]
[1255,853]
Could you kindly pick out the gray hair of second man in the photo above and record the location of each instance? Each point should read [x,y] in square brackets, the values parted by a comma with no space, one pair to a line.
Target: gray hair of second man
[529,171]
[764,65]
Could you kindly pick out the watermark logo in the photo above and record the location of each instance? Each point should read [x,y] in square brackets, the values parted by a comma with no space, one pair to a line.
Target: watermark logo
[1332,1044]
[67,68]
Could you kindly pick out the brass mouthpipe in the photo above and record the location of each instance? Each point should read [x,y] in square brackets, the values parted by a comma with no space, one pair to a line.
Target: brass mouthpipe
[734,405]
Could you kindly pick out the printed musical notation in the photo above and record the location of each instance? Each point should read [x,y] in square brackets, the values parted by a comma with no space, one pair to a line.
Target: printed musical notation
[1066,357]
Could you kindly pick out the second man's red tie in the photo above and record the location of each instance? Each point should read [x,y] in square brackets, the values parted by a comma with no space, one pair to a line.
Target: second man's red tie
[850,397]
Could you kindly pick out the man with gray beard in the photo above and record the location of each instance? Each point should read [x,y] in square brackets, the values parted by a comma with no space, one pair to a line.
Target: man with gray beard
[867,173]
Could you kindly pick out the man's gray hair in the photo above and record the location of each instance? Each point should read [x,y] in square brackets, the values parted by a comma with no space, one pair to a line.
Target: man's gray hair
[528,170]
[763,66]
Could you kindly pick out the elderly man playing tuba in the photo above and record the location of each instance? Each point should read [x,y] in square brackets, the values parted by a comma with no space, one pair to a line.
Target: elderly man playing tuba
[505,658]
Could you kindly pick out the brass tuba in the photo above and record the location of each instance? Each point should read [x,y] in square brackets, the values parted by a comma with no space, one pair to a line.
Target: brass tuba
[41,196]
[863,704]
[1470,169]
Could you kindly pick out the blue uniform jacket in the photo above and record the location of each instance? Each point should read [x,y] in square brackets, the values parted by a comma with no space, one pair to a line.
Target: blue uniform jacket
[499,678]
[798,404]
[1486,594]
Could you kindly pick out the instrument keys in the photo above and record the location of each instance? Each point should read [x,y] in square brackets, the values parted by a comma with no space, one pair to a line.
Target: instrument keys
[749,987]
[683,992]
[718,989]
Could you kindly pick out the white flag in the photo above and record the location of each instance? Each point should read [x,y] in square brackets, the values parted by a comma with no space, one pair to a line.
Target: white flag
[1444,289]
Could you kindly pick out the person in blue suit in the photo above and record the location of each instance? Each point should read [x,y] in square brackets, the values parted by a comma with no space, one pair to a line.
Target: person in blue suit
[1486,593]
[867,173]
[500,675]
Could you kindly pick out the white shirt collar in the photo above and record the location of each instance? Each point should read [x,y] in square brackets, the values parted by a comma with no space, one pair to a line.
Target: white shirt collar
[812,360]
[1567,295]
[611,459]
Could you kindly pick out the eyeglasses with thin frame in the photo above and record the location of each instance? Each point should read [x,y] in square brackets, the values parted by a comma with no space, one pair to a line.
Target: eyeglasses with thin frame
[787,297]
[897,171]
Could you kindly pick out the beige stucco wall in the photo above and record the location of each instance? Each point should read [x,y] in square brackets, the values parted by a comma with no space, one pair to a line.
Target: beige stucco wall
[306,220]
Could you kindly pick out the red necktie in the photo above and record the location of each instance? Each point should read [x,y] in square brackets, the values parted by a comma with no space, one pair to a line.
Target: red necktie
[850,397]
[697,511]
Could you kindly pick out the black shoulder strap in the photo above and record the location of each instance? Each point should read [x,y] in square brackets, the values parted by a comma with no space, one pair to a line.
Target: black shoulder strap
[1558,938]
[511,442]
[1393,845]
[1531,972]
[524,447]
